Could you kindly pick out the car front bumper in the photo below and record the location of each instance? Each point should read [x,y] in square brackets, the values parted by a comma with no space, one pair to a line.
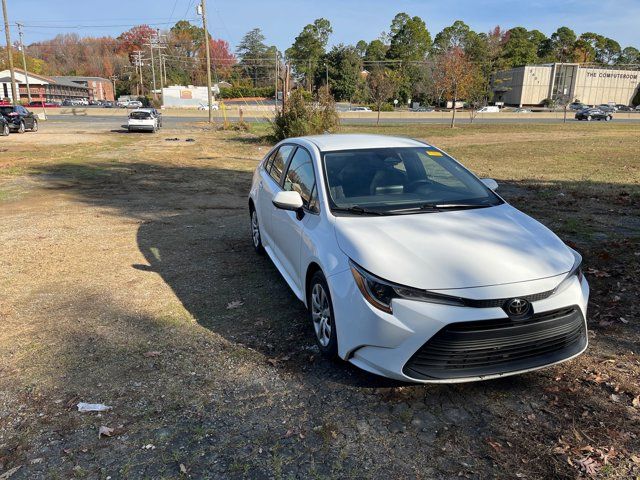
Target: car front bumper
[433,343]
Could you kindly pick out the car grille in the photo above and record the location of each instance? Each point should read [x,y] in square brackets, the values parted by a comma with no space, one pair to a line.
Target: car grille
[489,347]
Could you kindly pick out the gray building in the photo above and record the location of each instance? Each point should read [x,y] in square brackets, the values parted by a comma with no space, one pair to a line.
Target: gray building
[532,84]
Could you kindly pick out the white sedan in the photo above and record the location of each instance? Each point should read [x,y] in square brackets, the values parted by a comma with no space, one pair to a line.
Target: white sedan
[411,267]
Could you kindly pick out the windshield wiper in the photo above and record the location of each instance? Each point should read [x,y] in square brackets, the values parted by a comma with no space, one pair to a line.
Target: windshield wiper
[443,206]
[358,210]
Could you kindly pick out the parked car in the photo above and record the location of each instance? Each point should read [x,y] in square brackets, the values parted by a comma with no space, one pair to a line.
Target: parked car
[522,110]
[4,126]
[623,108]
[411,267]
[155,113]
[637,108]
[44,104]
[360,109]
[577,106]
[594,114]
[423,109]
[489,109]
[142,120]
[214,106]
[19,118]
[134,104]
[605,107]
[108,104]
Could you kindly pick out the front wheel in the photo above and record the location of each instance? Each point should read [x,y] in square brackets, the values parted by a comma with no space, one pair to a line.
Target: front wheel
[255,232]
[322,317]
[35,126]
[608,119]
[589,118]
[5,130]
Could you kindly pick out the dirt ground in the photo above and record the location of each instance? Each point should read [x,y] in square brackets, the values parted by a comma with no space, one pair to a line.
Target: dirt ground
[127,278]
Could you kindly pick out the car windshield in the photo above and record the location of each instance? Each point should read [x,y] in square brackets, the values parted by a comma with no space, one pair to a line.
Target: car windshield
[401,180]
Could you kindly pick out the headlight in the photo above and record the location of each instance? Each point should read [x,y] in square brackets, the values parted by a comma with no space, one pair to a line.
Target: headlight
[380,293]
[576,271]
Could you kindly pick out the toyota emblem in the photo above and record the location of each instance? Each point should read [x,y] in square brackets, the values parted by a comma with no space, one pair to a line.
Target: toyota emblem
[518,307]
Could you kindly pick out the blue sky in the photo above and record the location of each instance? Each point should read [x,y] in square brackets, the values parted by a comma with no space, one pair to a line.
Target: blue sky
[352,20]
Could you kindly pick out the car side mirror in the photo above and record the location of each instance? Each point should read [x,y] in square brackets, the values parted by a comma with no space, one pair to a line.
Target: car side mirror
[490,183]
[289,200]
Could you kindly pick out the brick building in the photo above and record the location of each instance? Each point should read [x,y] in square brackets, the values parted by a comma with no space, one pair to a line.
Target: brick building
[99,88]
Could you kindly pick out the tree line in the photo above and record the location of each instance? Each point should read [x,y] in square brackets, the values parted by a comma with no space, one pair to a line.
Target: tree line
[405,63]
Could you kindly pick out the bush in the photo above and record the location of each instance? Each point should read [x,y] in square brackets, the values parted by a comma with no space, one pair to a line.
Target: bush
[636,98]
[241,91]
[385,107]
[300,118]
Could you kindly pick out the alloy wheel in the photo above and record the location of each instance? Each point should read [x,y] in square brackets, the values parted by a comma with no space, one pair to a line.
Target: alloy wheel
[255,229]
[35,127]
[21,128]
[321,314]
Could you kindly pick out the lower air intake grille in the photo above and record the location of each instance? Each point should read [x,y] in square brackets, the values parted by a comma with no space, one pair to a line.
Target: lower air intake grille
[472,349]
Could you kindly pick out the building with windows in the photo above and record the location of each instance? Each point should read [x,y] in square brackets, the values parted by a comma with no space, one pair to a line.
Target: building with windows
[43,89]
[531,85]
[99,88]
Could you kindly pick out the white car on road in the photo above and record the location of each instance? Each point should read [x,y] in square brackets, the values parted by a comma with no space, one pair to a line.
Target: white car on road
[411,267]
[143,119]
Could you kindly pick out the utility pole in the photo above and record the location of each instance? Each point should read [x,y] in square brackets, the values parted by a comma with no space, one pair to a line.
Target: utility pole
[203,11]
[153,70]
[113,79]
[138,63]
[326,71]
[276,76]
[14,94]
[24,62]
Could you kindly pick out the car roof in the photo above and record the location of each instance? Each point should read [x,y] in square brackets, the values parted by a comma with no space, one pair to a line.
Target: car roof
[333,142]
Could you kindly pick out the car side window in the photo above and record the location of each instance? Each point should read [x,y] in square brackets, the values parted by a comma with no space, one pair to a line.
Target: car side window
[301,177]
[279,161]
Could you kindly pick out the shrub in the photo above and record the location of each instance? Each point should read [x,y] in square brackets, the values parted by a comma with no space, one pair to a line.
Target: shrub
[301,118]
[385,107]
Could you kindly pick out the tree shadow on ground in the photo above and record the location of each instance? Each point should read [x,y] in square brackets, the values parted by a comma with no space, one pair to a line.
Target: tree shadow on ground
[194,233]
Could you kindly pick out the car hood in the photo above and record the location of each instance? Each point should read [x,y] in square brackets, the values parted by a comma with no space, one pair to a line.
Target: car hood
[454,249]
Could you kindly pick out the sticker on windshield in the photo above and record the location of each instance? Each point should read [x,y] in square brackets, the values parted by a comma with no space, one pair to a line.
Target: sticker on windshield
[434,153]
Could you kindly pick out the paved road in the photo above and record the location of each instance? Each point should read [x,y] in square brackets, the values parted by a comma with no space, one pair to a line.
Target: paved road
[110,122]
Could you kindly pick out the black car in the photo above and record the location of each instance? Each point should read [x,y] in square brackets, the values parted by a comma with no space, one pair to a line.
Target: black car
[593,114]
[19,118]
[4,127]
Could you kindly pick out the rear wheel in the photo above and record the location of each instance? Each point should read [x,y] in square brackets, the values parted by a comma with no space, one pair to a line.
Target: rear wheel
[322,317]
[255,231]
[21,128]
[5,129]
[589,118]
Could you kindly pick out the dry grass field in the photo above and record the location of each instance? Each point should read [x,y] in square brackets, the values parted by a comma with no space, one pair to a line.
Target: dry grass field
[127,277]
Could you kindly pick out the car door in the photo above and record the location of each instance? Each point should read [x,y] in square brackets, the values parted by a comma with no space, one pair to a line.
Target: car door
[269,185]
[286,228]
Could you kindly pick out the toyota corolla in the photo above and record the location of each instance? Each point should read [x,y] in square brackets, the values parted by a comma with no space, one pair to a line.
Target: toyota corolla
[411,267]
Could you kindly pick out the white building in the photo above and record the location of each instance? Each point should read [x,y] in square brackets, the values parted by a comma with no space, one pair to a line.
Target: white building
[180,96]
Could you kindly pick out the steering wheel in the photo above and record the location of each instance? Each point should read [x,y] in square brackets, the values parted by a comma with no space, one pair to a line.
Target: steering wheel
[412,186]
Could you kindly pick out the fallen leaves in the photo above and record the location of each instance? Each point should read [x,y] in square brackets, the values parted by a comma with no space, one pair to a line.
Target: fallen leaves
[153,353]
[636,401]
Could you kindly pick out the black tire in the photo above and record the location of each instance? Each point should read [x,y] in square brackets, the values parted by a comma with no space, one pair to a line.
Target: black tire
[34,129]
[21,128]
[589,118]
[608,119]
[256,236]
[328,344]
[5,130]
